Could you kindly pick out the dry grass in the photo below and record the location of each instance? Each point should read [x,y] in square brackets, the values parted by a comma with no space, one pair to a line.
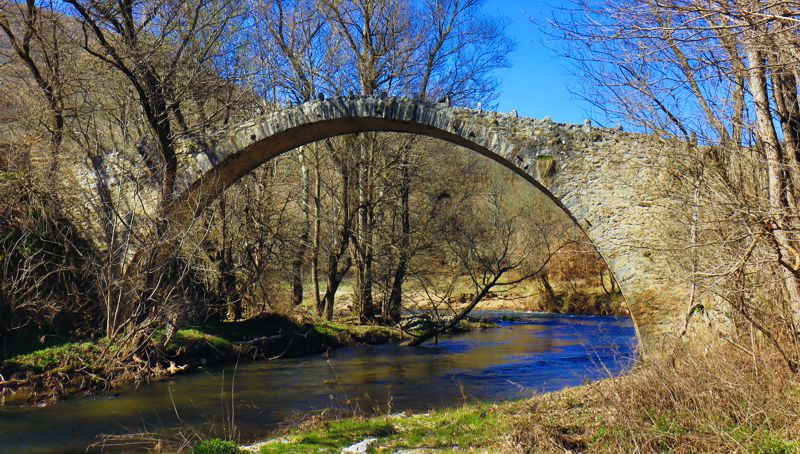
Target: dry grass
[724,401]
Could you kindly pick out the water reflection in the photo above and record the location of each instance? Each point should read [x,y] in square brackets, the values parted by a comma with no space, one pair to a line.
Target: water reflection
[540,352]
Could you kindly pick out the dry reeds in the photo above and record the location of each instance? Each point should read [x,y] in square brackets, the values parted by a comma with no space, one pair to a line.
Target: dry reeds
[725,400]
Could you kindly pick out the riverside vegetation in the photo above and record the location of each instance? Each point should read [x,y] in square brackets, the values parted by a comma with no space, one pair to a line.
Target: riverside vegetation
[55,353]
[344,240]
[724,403]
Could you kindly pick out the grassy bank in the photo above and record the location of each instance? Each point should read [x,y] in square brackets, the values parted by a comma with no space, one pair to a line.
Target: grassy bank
[726,401]
[83,368]
[476,426]
[80,369]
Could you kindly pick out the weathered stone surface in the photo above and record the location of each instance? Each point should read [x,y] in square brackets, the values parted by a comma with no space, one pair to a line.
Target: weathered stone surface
[602,178]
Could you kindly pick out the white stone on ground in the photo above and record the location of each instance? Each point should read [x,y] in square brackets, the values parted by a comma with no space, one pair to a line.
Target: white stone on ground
[362,447]
[256,447]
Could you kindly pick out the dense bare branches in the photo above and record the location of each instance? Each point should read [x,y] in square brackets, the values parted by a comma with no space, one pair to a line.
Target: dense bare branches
[721,75]
[360,214]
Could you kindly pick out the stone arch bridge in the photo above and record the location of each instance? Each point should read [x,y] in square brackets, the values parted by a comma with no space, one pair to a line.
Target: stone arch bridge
[601,178]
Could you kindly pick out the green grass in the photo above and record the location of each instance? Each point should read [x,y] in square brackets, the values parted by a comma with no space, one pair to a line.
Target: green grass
[339,330]
[192,335]
[51,357]
[216,446]
[562,423]
[761,440]
[473,426]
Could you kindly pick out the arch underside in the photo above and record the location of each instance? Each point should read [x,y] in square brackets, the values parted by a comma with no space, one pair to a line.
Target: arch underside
[211,184]
[256,143]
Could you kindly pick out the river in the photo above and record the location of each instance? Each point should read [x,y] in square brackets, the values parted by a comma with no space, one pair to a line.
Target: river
[534,353]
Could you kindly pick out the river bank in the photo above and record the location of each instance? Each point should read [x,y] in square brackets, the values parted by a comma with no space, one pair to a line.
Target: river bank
[81,369]
[526,354]
[84,368]
[579,298]
[73,370]
[722,402]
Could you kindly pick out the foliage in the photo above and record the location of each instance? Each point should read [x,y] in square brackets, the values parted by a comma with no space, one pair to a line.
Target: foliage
[88,246]
[470,425]
[53,357]
[716,78]
[46,285]
[216,446]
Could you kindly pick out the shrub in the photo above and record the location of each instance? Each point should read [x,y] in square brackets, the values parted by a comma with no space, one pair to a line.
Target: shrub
[216,446]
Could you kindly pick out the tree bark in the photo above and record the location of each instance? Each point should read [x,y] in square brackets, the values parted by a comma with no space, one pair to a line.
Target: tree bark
[300,254]
[550,294]
[418,340]
[776,181]
[227,274]
[396,295]
[339,262]
[363,246]
[317,232]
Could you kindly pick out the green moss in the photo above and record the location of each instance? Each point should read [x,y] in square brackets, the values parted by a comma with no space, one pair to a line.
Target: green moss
[361,333]
[470,324]
[545,165]
[216,446]
[52,357]
[469,426]
[332,329]
[190,336]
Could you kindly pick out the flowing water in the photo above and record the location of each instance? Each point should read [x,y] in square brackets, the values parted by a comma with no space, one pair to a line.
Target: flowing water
[532,354]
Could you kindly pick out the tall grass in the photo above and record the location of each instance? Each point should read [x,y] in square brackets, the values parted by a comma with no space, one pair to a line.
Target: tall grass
[726,400]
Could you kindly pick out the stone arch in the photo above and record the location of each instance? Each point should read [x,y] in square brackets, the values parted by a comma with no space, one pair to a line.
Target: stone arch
[579,176]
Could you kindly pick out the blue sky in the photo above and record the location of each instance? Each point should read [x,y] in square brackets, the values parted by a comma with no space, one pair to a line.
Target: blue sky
[537,83]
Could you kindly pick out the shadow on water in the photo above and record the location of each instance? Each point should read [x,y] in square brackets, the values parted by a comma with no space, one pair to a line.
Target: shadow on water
[530,354]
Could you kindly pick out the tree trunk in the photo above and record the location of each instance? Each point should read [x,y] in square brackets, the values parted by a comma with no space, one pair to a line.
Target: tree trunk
[317,230]
[418,340]
[550,294]
[299,259]
[396,296]
[227,275]
[337,268]
[363,253]
[768,138]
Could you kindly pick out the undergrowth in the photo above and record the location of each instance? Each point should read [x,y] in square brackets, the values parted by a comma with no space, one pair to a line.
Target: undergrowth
[720,401]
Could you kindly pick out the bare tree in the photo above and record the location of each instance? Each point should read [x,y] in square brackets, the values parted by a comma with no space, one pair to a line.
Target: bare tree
[488,249]
[721,77]
[33,33]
